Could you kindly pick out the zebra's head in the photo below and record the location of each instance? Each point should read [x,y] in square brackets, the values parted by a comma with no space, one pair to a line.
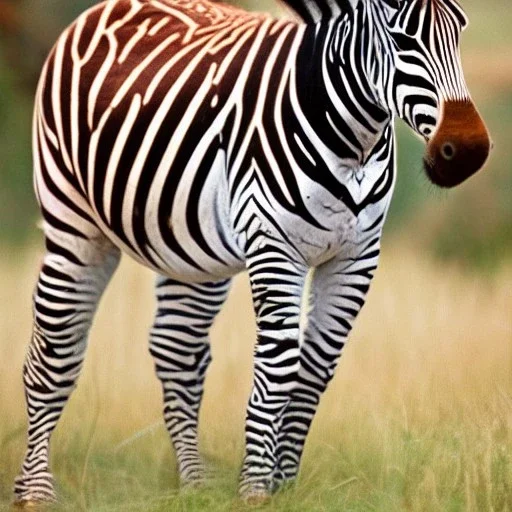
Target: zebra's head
[426,86]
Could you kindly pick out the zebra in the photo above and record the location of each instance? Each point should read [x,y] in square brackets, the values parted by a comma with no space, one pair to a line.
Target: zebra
[203,140]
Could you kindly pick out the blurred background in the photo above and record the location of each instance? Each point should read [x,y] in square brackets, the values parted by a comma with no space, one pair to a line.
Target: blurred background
[420,412]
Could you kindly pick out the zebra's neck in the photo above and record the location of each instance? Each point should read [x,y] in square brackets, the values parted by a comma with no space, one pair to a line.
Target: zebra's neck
[340,82]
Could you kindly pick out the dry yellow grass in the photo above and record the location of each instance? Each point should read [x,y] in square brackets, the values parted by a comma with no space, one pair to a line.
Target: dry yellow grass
[418,416]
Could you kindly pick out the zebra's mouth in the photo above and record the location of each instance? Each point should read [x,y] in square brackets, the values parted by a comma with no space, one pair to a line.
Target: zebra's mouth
[441,177]
[452,164]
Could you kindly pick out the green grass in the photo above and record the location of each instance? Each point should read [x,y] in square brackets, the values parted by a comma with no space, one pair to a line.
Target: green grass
[418,417]
[454,466]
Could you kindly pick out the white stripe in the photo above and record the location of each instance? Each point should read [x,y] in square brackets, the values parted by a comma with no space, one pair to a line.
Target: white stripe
[117,151]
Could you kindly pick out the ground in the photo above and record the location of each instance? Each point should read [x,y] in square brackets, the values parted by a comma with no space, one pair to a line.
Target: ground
[418,417]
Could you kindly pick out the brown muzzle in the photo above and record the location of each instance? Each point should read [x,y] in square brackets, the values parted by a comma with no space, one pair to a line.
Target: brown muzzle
[460,145]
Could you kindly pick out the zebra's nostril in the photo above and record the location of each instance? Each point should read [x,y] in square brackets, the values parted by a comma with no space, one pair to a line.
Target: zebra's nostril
[448,151]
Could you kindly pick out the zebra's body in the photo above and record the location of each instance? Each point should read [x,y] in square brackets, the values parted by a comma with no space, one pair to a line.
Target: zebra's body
[203,140]
[163,166]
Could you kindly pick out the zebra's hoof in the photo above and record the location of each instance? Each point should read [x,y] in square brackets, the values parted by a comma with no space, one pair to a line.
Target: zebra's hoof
[282,485]
[197,480]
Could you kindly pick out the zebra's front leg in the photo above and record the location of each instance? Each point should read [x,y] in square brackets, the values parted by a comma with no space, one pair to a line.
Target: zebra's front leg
[277,282]
[65,299]
[180,346]
[338,292]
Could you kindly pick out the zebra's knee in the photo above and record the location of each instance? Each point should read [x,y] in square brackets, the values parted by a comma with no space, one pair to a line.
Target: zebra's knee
[51,366]
[60,328]
[65,301]
[175,358]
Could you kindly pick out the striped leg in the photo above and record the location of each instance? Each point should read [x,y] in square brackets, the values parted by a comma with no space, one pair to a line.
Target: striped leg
[337,293]
[276,284]
[180,346]
[65,299]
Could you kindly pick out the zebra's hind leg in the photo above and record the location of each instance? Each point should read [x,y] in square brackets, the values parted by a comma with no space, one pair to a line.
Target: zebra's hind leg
[67,292]
[180,346]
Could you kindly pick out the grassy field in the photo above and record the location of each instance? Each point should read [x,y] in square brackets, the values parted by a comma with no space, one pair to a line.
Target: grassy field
[418,418]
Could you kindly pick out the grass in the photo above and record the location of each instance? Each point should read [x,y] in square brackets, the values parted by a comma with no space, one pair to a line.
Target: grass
[418,417]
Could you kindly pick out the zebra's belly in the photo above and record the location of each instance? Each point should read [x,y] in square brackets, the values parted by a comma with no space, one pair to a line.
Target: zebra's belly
[190,238]
[171,265]
[182,260]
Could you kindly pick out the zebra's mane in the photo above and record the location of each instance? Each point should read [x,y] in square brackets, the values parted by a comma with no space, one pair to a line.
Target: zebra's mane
[312,11]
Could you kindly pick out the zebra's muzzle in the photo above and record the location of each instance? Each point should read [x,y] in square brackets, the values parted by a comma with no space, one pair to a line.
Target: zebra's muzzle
[460,146]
